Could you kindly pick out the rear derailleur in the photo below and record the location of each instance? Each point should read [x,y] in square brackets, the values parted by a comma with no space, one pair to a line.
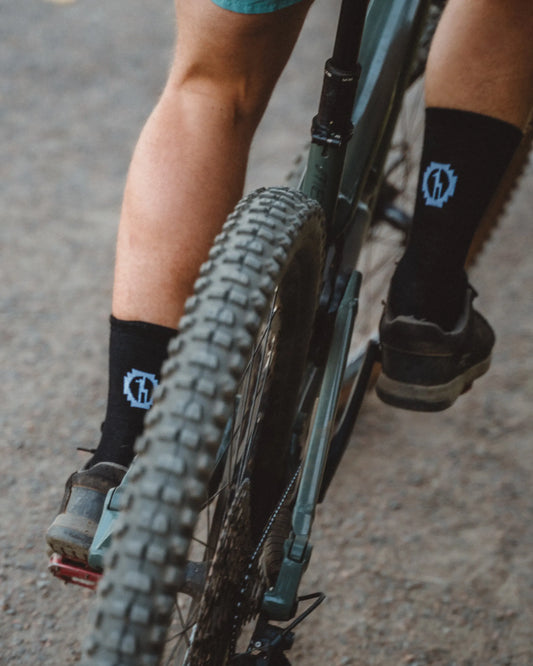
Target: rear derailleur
[270,642]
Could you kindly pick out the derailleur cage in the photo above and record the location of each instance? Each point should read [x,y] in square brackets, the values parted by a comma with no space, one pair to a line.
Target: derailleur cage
[269,642]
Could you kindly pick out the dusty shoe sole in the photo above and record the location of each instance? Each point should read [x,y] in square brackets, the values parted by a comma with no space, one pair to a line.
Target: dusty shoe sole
[71,536]
[421,398]
[72,532]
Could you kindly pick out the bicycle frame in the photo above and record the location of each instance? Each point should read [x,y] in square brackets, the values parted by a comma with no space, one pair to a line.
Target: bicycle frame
[343,174]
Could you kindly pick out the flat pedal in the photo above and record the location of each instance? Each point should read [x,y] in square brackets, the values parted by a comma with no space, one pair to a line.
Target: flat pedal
[71,571]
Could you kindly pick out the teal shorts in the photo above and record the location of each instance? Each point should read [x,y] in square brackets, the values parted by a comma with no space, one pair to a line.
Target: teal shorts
[254,6]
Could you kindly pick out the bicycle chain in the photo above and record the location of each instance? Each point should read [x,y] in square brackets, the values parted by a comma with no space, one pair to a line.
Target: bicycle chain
[251,575]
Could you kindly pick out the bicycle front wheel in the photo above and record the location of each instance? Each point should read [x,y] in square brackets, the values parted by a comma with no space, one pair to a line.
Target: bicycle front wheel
[216,469]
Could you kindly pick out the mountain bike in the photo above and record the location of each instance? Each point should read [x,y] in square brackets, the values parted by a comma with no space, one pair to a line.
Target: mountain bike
[211,528]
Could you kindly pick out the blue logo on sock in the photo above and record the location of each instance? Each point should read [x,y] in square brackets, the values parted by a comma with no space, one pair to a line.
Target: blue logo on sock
[139,387]
[438,184]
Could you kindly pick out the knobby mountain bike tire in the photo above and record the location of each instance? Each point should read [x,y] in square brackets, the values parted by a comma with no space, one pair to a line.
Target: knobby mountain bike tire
[205,511]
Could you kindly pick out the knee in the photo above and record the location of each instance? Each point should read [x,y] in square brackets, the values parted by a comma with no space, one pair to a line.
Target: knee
[240,97]
[232,60]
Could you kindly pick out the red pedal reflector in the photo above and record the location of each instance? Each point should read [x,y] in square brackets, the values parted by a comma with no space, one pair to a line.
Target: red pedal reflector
[74,572]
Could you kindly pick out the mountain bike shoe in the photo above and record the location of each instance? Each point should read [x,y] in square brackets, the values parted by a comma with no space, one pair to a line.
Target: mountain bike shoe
[425,368]
[73,529]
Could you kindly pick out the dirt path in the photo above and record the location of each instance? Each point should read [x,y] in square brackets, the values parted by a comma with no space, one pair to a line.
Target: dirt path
[425,544]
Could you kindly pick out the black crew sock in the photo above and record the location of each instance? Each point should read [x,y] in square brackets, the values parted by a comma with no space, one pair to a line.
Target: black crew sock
[464,156]
[136,353]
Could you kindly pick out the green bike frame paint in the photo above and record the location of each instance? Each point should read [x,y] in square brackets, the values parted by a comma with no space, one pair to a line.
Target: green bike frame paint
[279,603]
[336,175]
[339,176]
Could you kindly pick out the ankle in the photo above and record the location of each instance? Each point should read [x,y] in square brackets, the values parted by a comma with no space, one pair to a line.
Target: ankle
[429,293]
[137,351]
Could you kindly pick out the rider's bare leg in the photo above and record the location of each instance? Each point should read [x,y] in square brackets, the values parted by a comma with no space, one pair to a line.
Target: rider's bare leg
[481,59]
[479,94]
[186,174]
[188,168]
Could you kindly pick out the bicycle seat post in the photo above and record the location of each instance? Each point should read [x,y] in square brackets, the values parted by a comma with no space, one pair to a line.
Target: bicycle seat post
[349,34]
[332,126]
[333,122]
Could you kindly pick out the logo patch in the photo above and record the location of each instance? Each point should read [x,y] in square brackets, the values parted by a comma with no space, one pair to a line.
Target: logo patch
[139,387]
[438,184]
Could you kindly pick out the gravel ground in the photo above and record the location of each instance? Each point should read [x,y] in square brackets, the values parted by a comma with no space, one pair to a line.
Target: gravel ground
[425,544]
